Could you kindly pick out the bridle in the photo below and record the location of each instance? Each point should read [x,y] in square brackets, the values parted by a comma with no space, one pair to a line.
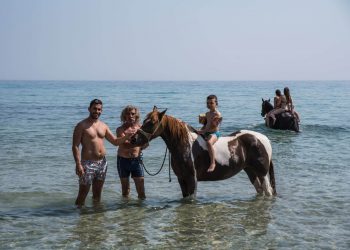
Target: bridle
[150,135]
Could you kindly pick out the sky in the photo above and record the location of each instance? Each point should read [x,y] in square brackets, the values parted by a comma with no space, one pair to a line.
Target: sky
[193,40]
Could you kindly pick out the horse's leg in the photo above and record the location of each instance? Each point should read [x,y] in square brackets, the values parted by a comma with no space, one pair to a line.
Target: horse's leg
[183,186]
[266,185]
[272,178]
[254,179]
[267,181]
[188,186]
[260,166]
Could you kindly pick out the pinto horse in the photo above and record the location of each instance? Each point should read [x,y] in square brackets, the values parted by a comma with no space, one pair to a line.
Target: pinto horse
[243,150]
[284,121]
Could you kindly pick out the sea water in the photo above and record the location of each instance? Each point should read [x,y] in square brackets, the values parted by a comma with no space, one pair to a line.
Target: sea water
[39,184]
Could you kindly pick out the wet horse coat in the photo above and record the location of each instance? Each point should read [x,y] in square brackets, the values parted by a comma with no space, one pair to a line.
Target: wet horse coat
[243,150]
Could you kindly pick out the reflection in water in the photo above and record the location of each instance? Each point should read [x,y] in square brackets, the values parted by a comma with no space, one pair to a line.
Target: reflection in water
[219,224]
[130,220]
[102,227]
[90,231]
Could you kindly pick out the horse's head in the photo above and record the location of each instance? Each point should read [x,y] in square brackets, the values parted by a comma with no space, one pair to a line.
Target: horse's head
[266,107]
[150,129]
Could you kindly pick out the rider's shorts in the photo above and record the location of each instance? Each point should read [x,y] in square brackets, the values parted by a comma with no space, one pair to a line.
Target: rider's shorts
[216,133]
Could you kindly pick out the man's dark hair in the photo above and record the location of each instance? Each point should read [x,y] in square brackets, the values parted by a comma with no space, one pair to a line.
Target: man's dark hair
[95,101]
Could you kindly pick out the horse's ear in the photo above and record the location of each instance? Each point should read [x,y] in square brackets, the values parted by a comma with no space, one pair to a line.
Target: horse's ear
[155,108]
[161,114]
[262,99]
[269,99]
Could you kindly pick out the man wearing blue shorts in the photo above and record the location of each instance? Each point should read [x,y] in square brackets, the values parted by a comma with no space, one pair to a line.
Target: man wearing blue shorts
[128,156]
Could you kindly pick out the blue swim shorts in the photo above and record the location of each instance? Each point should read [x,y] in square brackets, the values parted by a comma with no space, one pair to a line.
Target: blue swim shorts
[93,170]
[207,134]
[129,166]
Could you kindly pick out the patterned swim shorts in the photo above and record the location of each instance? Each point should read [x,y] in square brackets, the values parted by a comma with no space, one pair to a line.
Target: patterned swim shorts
[93,170]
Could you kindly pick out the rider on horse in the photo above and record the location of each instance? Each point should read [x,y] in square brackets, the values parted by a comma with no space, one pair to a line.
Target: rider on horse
[279,106]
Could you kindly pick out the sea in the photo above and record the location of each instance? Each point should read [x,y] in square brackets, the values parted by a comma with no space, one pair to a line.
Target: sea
[39,186]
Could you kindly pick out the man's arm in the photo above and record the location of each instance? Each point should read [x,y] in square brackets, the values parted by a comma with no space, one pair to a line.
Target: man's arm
[275,102]
[116,141]
[126,144]
[77,135]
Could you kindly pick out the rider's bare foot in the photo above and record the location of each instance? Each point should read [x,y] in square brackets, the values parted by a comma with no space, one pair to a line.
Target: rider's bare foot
[211,167]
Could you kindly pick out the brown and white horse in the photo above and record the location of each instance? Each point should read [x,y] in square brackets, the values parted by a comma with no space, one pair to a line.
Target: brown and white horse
[243,150]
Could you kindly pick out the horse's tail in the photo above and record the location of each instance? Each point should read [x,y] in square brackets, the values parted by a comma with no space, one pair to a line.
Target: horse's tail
[272,178]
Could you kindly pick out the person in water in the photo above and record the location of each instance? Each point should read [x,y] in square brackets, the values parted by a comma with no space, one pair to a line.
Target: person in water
[128,157]
[90,163]
[210,130]
[289,103]
[279,106]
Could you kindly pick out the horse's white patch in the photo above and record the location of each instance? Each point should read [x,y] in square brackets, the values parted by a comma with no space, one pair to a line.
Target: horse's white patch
[192,137]
[263,139]
[222,154]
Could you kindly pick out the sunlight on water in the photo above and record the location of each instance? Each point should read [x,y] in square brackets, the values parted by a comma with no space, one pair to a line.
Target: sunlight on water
[39,184]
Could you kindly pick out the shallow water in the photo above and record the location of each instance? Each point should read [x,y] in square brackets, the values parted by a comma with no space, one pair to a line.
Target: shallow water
[39,184]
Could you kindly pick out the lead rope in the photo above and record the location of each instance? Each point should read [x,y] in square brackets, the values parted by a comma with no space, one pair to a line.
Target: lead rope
[141,160]
[169,166]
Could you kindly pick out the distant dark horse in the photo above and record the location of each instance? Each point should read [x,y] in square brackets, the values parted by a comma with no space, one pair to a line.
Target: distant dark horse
[243,150]
[285,120]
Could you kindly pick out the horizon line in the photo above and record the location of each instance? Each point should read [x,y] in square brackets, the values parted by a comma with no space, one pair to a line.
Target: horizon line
[275,80]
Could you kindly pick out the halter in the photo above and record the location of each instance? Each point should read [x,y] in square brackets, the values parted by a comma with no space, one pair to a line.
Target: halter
[149,135]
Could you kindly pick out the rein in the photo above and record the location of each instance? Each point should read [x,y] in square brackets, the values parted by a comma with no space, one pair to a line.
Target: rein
[148,137]
[166,151]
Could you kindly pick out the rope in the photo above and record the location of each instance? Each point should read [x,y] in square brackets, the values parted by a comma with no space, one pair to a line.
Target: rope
[166,151]
[169,167]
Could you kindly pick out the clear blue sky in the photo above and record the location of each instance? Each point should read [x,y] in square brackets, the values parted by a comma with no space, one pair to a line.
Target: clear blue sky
[175,40]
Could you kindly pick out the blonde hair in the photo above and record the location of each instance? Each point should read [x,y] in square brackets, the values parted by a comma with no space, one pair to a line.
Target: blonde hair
[126,110]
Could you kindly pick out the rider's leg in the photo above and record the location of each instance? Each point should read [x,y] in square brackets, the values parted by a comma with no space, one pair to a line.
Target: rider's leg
[212,139]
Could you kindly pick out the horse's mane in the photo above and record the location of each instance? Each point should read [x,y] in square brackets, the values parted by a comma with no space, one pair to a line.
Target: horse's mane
[177,129]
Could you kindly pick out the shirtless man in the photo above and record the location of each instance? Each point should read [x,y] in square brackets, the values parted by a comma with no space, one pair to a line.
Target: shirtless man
[279,105]
[91,164]
[128,159]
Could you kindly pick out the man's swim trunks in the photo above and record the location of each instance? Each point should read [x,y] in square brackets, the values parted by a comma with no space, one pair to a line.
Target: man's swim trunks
[127,166]
[93,170]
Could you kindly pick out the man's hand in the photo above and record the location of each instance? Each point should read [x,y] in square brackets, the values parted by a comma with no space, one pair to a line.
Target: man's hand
[128,136]
[79,170]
